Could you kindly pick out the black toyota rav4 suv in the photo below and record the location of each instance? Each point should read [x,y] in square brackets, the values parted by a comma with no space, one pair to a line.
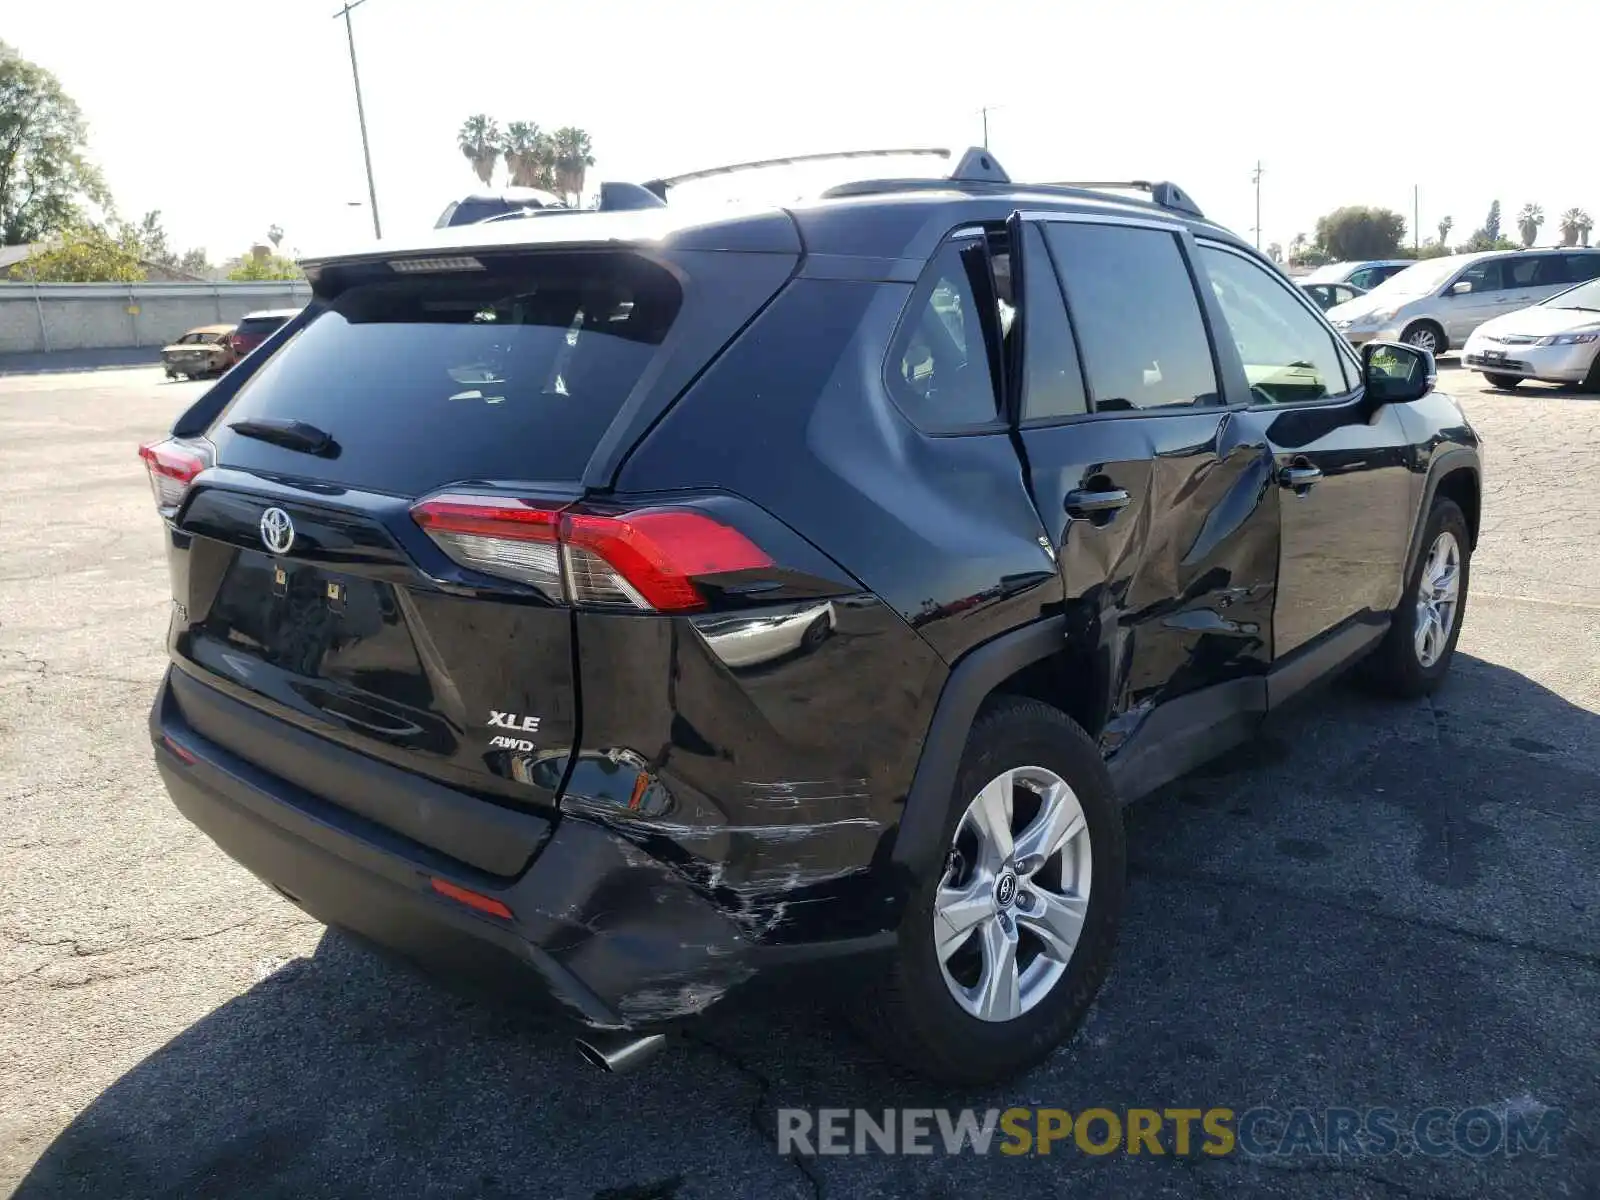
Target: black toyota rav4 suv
[626,607]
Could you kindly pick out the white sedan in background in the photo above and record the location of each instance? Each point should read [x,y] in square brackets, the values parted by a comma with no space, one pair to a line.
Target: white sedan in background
[1557,341]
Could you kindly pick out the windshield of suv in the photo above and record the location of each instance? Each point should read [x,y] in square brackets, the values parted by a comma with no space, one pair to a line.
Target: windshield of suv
[512,372]
[1421,280]
[1585,296]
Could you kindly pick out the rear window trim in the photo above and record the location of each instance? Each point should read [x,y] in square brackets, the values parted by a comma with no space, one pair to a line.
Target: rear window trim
[918,293]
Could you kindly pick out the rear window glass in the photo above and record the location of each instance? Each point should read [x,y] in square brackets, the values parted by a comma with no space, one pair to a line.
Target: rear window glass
[260,324]
[513,373]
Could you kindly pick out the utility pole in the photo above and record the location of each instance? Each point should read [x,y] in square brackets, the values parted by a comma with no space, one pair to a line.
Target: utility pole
[361,112]
[1416,219]
[1256,179]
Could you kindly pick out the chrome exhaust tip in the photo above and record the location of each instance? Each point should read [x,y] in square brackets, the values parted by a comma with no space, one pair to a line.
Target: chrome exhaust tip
[617,1053]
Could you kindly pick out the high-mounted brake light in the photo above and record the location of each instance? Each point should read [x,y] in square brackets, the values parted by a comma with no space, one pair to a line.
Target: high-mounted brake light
[418,266]
[648,559]
[172,465]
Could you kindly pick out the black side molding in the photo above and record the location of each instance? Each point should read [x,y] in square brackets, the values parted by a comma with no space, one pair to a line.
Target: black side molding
[1324,657]
[917,844]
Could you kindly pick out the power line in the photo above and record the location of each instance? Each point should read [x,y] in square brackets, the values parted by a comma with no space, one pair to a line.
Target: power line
[361,112]
[1255,178]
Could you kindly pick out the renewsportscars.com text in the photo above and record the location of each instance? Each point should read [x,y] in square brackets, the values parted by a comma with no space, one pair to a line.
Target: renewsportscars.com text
[1254,1132]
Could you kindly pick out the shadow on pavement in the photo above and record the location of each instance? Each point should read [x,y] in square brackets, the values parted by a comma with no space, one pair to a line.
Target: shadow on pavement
[64,361]
[1373,904]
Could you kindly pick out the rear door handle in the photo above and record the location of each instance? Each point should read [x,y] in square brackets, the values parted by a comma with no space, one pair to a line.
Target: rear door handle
[1087,504]
[1298,477]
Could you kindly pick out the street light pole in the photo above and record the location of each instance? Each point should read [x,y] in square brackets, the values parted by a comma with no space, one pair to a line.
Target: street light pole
[361,113]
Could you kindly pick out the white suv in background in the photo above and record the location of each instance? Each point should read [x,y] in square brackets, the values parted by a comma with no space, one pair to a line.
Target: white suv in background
[1436,304]
[1557,341]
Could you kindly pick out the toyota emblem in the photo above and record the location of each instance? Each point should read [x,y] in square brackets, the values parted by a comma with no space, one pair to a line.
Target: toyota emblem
[277,531]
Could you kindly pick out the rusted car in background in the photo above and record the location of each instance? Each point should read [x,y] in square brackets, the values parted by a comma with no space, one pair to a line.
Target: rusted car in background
[200,353]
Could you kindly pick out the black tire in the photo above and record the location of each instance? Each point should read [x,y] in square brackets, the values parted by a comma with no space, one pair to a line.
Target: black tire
[1508,382]
[1418,332]
[910,1014]
[1591,381]
[1394,667]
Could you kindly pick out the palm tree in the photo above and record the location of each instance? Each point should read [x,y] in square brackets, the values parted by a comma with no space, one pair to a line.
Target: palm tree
[573,157]
[544,162]
[1445,224]
[1575,224]
[1297,245]
[520,149]
[1528,221]
[479,140]
[275,235]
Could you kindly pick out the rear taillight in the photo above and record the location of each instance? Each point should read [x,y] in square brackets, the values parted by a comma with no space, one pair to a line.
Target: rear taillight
[173,464]
[646,559]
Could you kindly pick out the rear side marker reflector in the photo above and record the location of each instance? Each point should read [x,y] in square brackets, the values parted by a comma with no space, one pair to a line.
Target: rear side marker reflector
[177,749]
[475,900]
[646,560]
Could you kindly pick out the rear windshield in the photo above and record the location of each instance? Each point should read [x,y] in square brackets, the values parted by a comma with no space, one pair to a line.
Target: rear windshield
[260,324]
[510,373]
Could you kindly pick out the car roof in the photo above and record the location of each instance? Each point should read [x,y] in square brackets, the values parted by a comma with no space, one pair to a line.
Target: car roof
[208,329]
[891,219]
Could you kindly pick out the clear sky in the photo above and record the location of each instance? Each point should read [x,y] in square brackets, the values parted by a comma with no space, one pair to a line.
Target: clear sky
[230,115]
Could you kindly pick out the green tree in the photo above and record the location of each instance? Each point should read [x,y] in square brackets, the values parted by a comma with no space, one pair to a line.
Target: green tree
[1358,232]
[1575,227]
[530,156]
[1491,225]
[480,143]
[45,178]
[275,235]
[1445,225]
[195,262]
[148,239]
[86,254]
[261,264]
[1528,222]
[574,156]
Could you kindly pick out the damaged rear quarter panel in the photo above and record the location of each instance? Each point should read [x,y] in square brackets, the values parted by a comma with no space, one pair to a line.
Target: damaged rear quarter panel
[771,787]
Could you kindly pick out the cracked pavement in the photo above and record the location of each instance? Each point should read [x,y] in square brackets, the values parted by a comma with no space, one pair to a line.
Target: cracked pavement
[1372,904]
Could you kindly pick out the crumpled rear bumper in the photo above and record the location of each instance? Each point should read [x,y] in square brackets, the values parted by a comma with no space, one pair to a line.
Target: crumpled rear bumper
[614,936]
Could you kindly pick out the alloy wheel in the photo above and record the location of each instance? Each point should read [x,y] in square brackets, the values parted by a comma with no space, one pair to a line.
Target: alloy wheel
[1438,597]
[1424,338]
[1009,911]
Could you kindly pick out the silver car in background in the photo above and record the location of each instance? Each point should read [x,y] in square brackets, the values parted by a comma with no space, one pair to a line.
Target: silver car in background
[1365,275]
[1437,303]
[1557,341]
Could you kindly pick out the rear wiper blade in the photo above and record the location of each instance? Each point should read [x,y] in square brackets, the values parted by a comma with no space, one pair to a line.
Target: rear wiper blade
[291,435]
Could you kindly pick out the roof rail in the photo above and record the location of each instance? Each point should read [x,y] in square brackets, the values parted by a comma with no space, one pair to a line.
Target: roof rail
[1167,195]
[661,186]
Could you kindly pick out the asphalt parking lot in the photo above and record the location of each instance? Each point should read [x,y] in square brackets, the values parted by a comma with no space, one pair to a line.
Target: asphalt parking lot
[1376,905]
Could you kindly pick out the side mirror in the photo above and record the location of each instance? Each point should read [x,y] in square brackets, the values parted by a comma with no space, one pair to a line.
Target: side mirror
[1461,287]
[1395,372]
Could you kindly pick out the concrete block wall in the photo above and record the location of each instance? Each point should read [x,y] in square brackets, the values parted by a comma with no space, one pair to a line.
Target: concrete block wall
[99,316]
